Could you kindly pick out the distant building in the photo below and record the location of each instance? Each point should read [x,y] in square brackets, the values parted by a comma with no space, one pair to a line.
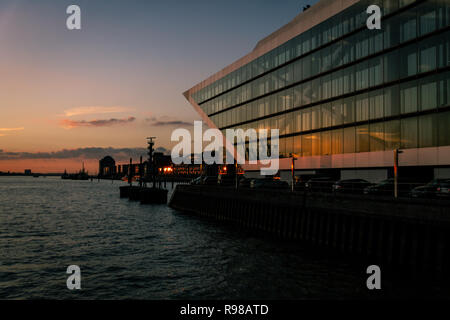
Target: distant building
[107,167]
[28,172]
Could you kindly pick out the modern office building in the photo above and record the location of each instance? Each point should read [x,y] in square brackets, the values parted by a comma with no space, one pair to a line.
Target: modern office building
[343,96]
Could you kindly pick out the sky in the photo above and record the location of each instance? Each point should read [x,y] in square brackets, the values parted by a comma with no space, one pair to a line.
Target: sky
[73,96]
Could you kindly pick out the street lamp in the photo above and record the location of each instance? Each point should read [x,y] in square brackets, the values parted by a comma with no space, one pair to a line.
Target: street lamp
[294,157]
[396,153]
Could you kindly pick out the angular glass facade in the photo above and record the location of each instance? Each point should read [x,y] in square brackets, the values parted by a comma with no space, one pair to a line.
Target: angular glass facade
[340,88]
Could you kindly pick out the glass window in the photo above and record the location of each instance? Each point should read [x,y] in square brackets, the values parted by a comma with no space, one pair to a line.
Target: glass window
[349,110]
[362,107]
[444,89]
[297,121]
[427,17]
[306,67]
[315,144]
[391,66]
[298,75]
[409,133]
[336,55]
[298,145]
[362,138]
[289,146]
[391,32]
[403,3]
[444,129]
[282,147]
[408,97]
[325,115]
[428,94]
[376,105]
[282,124]
[408,25]
[408,61]
[348,79]
[428,55]
[326,87]
[289,123]
[391,101]
[348,51]
[349,140]
[315,117]
[337,83]
[306,145]
[337,141]
[392,135]
[326,58]
[307,93]
[316,89]
[315,63]
[389,6]
[325,141]
[297,96]
[337,113]
[362,44]
[362,75]
[376,41]
[428,130]
[306,119]
[376,136]
[376,71]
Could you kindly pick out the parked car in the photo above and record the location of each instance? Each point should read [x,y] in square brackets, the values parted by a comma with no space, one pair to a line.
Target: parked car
[386,187]
[245,182]
[301,180]
[350,186]
[209,180]
[320,184]
[197,181]
[444,190]
[268,184]
[433,189]
[226,180]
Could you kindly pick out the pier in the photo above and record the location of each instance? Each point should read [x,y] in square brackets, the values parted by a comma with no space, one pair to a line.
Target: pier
[409,235]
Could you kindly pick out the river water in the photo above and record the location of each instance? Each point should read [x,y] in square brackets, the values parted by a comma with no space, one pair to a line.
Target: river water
[130,251]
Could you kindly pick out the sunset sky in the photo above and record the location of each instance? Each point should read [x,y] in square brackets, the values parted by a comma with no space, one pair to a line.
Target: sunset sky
[65,95]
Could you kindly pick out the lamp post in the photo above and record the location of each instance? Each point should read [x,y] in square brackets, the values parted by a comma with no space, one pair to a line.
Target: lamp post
[294,157]
[150,164]
[396,153]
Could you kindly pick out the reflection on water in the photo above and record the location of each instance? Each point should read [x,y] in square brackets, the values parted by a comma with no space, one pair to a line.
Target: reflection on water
[126,250]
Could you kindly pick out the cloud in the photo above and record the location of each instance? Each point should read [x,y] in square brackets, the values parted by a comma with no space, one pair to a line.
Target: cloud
[165,121]
[69,124]
[11,129]
[94,110]
[119,154]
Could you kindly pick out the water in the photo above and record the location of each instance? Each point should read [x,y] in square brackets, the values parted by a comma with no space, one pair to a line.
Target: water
[127,250]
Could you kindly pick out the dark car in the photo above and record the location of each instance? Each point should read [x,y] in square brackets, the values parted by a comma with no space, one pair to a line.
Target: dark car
[320,184]
[301,180]
[197,181]
[444,190]
[245,182]
[268,184]
[350,186]
[209,180]
[226,180]
[386,188]
[432,189]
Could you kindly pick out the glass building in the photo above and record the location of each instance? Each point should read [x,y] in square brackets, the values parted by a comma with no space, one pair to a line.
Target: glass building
[343,96]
